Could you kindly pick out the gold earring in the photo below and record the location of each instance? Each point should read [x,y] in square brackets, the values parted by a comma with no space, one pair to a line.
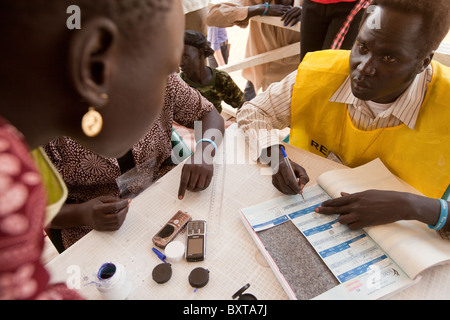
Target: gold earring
[105,97]
[92,123]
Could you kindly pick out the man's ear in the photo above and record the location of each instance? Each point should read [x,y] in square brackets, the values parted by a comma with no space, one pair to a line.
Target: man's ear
[426,61]
[90,57]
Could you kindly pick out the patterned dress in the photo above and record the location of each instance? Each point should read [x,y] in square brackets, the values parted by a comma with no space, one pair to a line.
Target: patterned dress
[89,175]
[22,212]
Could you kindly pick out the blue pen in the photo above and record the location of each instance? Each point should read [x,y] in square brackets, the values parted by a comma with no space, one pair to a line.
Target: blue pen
[288,163]
[160,255]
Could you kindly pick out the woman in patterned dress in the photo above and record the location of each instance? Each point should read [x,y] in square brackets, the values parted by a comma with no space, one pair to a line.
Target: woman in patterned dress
[91,179]
[52,75]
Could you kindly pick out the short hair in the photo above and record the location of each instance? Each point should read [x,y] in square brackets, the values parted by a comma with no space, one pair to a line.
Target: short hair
[128,15]
[198,40]
[435,16]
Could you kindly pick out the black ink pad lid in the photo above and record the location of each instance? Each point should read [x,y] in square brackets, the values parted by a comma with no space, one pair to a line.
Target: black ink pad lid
[162,273]
[199,277]
[244,296]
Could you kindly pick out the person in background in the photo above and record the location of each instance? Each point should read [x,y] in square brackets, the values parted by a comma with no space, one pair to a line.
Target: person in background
[213,84]
[385,99]
[262,37]
[329,24]
[94,193]
[195,12]
[218,39]
[90,84]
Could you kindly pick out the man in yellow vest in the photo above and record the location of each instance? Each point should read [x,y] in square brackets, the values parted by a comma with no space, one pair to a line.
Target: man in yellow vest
[385,99]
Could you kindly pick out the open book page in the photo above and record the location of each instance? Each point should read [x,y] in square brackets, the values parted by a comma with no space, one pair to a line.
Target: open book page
[373,175]
[355,260]
[410,243]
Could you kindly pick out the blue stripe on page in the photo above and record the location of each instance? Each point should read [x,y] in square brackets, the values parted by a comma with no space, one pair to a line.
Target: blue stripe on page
[340,247]
[303,212]
[359,270]
[320,228]
[273,222]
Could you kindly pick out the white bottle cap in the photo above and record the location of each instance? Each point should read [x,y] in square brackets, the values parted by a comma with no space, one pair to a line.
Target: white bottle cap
[174,251]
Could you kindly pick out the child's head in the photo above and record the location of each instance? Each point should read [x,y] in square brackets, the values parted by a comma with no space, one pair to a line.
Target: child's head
[118,63]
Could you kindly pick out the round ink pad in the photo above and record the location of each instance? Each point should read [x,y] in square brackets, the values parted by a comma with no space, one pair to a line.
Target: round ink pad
[199,277]
[244,296]
[162,273]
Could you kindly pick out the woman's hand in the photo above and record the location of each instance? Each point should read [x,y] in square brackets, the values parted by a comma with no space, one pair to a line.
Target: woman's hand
[195,176]
[105,213]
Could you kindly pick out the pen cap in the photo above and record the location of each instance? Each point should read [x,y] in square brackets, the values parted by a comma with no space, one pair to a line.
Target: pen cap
[283,152]
[159,254]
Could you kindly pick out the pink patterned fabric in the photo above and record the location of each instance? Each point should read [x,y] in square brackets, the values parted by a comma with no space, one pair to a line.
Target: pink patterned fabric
[360,5]
[22,211]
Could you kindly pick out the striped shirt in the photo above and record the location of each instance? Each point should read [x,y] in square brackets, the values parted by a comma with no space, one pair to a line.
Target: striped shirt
[368,115]
[263,117]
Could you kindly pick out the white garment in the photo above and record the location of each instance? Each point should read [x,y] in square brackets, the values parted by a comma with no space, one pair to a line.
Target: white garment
[194,5]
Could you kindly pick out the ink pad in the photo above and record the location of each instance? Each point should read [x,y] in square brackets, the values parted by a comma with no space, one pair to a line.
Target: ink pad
[162,273]
[199,277]
[244,296]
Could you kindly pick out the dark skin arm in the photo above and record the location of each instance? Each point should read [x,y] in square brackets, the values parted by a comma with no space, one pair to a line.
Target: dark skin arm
[290,15]
[198,170]
[376,207]
[282,178]
[276,10]
[105,213]
[367,208]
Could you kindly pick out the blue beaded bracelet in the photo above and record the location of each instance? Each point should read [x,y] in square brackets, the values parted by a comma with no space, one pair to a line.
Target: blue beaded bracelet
[207,140]
[265,10]
[442,218]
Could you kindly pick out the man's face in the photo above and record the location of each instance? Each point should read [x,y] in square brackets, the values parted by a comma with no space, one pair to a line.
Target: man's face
[385,57]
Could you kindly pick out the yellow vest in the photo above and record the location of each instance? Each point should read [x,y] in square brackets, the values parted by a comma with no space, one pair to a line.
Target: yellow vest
[421,157]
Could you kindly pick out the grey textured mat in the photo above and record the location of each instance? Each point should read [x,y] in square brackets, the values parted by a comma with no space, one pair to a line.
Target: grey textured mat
[297,260]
